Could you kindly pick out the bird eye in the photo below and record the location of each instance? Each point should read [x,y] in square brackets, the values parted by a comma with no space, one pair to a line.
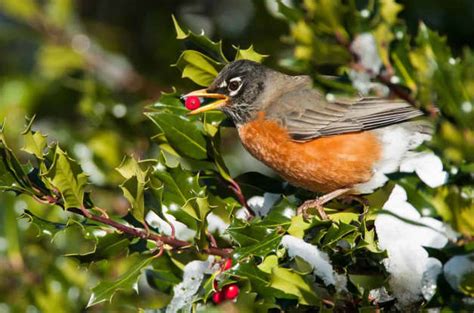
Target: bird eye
[234,85]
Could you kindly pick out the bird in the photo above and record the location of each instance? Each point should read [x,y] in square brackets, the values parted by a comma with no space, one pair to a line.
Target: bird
[346,146]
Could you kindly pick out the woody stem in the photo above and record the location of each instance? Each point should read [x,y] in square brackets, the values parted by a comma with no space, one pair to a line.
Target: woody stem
[143,234]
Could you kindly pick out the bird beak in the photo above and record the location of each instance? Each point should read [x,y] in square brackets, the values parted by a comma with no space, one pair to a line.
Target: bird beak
[221,100]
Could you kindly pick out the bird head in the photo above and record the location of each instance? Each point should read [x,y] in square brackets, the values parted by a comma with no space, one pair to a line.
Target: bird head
[237,91]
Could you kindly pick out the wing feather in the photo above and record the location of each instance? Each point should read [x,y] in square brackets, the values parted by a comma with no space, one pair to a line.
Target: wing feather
[307,115]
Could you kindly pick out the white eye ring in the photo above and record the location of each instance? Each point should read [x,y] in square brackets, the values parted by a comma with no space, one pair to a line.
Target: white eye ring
[234,85]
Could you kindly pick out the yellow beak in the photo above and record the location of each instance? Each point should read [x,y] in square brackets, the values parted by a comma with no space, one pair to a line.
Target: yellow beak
[220,102]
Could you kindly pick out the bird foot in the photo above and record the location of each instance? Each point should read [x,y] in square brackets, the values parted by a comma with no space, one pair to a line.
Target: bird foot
[310,204]
[319,202]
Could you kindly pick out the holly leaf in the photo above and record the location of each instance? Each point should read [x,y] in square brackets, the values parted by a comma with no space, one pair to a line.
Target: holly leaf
[105,290]
[266,246]
[108,246]
[133,188]
[198,67]
[293,286]
[249,54]
[35,142]
[184,137]
[67,177]
[200,42]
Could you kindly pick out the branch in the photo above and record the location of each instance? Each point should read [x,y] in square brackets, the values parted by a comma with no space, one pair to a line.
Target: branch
[147,235]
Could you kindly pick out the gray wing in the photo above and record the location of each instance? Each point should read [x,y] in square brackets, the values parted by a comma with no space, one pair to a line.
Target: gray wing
[307,115]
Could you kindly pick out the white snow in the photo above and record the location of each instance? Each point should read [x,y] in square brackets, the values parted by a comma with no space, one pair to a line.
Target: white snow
[184,292]
[216,224]
[365,47]
[457,267]
[319,260]
[407,260]
[429,278]
[262,205]
[427,166]
[182,232]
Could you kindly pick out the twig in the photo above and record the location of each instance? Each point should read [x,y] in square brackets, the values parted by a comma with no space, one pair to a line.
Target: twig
[240,196]
[143,234]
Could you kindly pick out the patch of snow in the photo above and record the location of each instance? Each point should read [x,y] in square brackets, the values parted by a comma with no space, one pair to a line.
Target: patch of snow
[262,205]
[184,292]
[380,295]
[182,232]
[216,224]
[365,47]
[319,260]
[427,166]
[457,267]
[429,278]
[407,259]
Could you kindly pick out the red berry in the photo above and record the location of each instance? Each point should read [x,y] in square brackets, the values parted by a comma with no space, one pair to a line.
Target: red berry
[192,103]
[227,264]
[218,297]
[231,291]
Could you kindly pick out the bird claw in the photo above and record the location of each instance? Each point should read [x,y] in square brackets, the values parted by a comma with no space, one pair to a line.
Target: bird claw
[309,204]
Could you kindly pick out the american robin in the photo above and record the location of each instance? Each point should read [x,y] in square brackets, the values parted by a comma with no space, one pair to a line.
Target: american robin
[333,147]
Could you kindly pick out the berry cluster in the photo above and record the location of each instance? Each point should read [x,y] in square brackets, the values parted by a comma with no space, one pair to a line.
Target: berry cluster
[229,292]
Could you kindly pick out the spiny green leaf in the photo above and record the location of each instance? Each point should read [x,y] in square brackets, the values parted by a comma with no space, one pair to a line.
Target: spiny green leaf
[249,54]
[64,233]
[266,246]
[185,137]
[200,42]
[44,227]
[35,142]
[293,285]
[198,67]
[108,246]
[136,174]
[67,177]
[105,290]
[12,174]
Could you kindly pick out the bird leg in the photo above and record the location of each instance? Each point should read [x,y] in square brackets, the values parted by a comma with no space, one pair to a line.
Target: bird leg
[319,202]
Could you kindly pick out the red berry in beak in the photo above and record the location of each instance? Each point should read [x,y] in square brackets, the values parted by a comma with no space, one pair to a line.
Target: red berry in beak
[218,297]
[192,103]
[231,291]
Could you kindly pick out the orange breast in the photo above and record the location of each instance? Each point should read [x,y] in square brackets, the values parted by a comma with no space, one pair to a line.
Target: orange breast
[322,165]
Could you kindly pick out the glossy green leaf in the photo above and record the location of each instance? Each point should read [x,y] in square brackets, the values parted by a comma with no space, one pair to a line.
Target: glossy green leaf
[108,246]
[198,67]
[249,54]
[200,42]
[185,137]
[67,177]
[105,290]
[136,174]
[266,246]
[293,286]
[35,142]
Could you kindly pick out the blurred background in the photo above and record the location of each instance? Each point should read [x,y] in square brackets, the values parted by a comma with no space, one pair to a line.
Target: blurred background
[87,69]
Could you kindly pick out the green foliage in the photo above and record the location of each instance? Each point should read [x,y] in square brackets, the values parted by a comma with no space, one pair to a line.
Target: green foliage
[183,178]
